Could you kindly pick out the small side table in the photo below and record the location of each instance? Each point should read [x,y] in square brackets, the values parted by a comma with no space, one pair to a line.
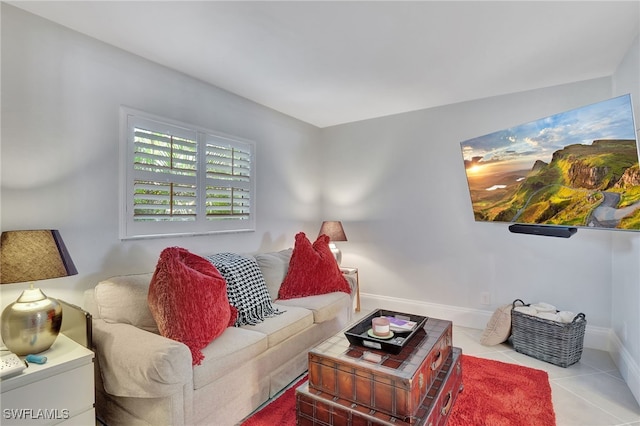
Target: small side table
[348,270]
[61,391]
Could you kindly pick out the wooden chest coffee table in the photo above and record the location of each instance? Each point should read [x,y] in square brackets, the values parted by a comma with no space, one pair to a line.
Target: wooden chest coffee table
[395,385]
[317,408]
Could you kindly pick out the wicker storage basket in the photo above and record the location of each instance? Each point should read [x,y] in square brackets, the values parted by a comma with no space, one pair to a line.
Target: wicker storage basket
[551,341]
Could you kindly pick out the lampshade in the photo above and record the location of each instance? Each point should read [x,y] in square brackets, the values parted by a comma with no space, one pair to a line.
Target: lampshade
[32,323]
[335,232]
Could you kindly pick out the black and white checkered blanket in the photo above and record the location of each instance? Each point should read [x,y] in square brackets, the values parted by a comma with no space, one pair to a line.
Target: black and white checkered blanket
[246,287]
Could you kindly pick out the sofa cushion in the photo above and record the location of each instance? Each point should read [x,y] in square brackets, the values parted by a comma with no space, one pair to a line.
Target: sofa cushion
[188,299]
[292,321]
[229,352]
[123,299]
[325,307]
[312,270]
[246,288]
[274,267]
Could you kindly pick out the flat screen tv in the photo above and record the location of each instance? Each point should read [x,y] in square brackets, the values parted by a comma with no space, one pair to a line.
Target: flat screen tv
[578,168]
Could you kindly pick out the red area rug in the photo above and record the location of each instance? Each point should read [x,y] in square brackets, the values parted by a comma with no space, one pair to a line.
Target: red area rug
[495,394]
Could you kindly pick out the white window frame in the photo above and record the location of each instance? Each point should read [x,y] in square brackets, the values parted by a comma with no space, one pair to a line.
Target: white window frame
[198,224]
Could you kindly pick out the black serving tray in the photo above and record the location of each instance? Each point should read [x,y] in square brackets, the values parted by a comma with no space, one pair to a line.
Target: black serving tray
[359,333]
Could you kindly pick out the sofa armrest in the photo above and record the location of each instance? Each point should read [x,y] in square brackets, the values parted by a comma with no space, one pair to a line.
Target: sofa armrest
[138,363]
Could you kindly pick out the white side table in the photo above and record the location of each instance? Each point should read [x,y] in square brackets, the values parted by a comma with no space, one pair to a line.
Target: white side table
[348,270]
[59,392]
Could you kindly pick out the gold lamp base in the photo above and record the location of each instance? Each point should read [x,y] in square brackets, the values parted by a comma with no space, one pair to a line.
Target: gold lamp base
[32,323]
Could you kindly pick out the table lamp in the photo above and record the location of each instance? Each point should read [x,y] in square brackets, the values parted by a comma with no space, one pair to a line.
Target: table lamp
[31,324]
[335,232]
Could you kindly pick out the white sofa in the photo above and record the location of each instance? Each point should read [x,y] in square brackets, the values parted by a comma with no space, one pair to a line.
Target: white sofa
[143,378]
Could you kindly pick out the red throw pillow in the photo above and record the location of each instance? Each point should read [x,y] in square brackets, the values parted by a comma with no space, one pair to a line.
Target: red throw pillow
[188,299]
[312,270]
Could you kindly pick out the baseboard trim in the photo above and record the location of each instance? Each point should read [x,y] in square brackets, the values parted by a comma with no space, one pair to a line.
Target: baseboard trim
[464,317]
[628,367]
[594,337]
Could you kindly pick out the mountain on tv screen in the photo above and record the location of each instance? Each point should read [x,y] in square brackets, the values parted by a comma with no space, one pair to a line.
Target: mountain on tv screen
[578,168]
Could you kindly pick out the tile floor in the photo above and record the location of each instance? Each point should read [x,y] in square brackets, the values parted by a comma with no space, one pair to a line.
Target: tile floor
[588,393]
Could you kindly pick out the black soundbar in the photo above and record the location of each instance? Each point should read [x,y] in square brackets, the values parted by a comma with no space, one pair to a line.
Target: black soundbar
[547,231]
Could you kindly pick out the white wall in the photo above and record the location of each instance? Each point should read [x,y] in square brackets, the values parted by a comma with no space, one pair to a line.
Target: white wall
[61,93]
[625,315]
[399,184]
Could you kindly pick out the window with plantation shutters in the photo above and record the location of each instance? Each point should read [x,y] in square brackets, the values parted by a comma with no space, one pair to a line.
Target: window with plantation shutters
[180,179]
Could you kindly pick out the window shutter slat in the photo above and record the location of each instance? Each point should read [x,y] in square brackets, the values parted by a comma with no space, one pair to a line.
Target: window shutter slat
[164,201]
[168,163]
[228,180]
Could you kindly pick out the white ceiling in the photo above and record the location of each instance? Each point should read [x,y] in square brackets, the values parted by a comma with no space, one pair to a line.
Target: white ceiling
[328,63]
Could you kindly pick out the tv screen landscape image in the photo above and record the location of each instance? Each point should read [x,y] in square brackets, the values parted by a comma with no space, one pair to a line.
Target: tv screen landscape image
[578,168]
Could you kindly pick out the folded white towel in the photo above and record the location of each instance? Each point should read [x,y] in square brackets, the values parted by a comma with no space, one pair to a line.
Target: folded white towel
[526,310]
[566,316]
[549,316]
[544,307]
